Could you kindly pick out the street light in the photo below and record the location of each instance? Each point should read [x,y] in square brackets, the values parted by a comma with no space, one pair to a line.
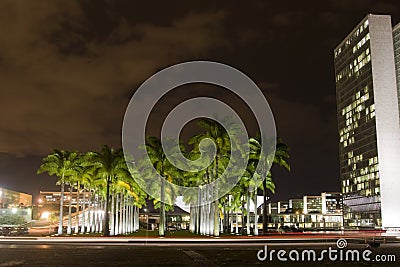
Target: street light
[45,215]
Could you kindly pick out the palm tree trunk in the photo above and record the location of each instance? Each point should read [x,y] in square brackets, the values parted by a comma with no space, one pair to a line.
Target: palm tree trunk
[96,214]
[117,218]
[69,211]
[133,217]
[122,215]
[216,202]
[101,214]
[128,215]
[211,213]
[131,229]
[203,212]
[94,210]
[191,214]
[242,229]
[248,213]
[216,213]
[237,223]
[127,205]
[224,227]
[231,220]
[255,214]
[83,229]
[60,223]
[77,208]
[137,218]
[118,213]
[211,219]
[106,224]
[198,218]
[112,213]
[230,213]
[207,213]
[265,222]
[161,228]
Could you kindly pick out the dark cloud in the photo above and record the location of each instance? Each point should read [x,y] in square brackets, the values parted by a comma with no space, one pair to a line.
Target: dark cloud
[58,91]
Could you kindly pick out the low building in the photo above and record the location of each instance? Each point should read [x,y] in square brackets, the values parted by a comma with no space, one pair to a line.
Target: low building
[15,204]
[54,197]
[11,198]
[296,205]
[321,212]
[175,219]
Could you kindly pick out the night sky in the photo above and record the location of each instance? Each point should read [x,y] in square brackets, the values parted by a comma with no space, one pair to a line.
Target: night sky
[69,68]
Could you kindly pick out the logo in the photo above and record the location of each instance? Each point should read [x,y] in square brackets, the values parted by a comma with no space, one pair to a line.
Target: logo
[340,253]
[341,243]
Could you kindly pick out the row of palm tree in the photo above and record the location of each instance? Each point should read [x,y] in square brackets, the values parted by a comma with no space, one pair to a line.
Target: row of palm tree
[112,198]
[206,215]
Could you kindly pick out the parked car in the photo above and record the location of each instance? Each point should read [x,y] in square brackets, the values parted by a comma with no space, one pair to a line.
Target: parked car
[289,229]
[22,230]
[8,231]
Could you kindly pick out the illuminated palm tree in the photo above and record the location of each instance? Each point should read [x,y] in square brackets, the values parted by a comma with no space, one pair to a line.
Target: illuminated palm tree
[166,170]
[62,164]
[217,133]
[108,164]
[260,157]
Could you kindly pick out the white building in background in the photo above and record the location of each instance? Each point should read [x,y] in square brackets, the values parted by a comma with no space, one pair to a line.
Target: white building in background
[319,212]
[15,203]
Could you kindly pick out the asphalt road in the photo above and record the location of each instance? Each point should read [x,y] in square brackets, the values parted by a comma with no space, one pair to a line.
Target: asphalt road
[172,254]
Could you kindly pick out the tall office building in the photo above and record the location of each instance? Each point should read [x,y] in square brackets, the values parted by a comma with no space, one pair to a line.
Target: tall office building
[368,124]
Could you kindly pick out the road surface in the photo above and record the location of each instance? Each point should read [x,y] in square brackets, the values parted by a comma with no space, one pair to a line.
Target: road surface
[100,252]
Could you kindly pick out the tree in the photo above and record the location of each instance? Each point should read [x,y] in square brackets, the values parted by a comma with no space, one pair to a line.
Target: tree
[108,164]
[62,164]
[218,134]
[85,178]
[166,170]
[260,157]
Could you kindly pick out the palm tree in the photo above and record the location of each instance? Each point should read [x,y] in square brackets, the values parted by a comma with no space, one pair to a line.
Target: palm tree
[70,182]
[62,164]
[220,137]
[87,178]
[198,212]
[219,162]
[134,196]
[280,158]
[108,164]
[166,170]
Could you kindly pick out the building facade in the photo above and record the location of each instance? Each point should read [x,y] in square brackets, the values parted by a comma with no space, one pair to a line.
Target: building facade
[13,203]
[10,199]
[368,124]
[320,212]
[54,197]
